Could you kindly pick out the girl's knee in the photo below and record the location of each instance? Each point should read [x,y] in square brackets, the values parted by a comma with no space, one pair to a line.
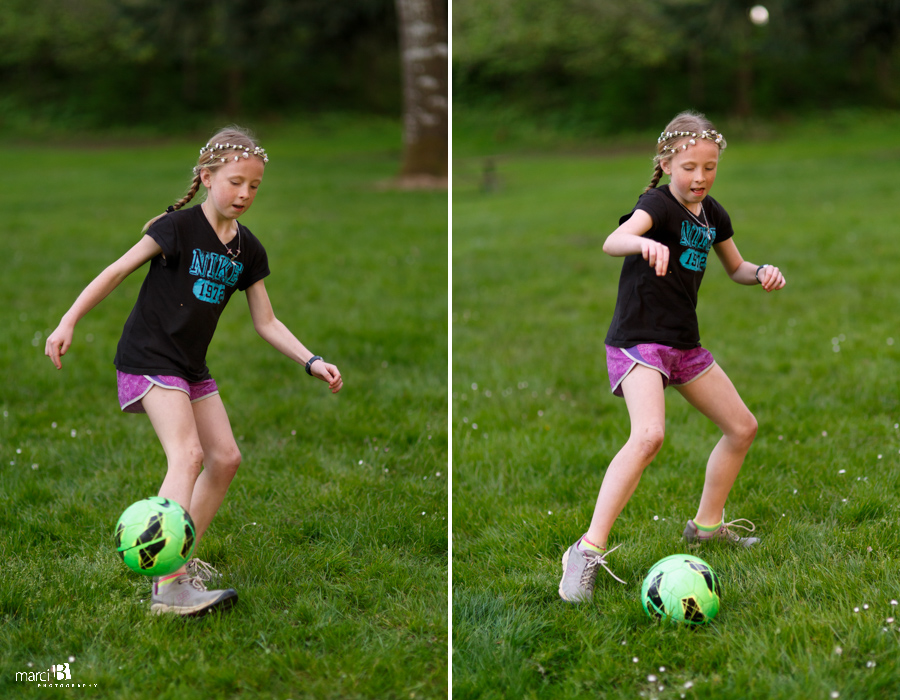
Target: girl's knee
[649,441]
[744,431]
[189,460]
[226,463]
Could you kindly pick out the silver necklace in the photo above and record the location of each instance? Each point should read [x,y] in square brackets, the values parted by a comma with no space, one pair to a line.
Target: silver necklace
[234,255]
[694,217]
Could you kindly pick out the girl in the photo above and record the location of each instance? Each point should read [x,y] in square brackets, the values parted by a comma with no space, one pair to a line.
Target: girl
[198,257]
[654,340]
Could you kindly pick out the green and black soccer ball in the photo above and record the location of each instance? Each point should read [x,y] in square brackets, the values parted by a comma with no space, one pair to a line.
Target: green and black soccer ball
[155,536]
[681,588]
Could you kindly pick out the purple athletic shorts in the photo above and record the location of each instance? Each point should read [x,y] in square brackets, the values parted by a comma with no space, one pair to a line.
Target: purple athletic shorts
[134,387]
[679,367]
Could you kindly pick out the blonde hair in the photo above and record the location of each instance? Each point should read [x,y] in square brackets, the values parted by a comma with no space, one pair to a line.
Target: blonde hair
[680,132]
[231,141]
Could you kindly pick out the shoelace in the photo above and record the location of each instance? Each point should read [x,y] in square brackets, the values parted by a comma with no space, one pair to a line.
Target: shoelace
[590,573]
[203,570]
[733,536]
[197,583]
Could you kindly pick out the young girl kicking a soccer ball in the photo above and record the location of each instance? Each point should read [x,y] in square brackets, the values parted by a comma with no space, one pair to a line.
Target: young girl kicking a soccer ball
[198,258]
[654,340]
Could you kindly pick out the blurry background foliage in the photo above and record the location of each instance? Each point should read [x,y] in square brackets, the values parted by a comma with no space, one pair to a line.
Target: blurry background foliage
[601,67]
[84,64]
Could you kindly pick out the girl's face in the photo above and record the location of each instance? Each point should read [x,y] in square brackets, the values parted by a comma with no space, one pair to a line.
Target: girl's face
[232,187]
[693,171]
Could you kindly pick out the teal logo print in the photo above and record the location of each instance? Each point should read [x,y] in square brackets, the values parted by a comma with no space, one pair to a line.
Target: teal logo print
[215,272]
[698,240]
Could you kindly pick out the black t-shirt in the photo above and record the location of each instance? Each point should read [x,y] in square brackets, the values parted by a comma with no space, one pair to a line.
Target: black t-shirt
[183,295]
[651,309]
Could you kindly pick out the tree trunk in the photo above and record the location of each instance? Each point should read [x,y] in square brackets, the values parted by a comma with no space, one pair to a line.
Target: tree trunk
[423,52]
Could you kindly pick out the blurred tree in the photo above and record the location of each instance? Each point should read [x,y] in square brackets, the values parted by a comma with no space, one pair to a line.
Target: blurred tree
[608,66]
[102,62]
[423,53]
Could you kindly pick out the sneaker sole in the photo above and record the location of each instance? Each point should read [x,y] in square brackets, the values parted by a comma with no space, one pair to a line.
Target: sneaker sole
[224,602]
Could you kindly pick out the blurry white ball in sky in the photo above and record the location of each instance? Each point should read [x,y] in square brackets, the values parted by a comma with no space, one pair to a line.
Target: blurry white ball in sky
[759,15]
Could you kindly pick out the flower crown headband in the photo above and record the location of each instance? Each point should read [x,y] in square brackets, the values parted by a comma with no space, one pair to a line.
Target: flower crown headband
[710,134]
[243,152]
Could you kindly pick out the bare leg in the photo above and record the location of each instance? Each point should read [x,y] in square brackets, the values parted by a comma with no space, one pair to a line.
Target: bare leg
[643,390]
[715,397]
[170,413]
[221,459]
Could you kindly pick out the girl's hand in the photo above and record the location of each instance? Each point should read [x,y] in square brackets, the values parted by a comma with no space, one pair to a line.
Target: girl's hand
[656,254]
[771,278]
[327,373]
[58,343]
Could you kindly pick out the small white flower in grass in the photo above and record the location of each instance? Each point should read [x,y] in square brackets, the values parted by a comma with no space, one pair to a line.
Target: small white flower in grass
[474,426]
[856,610]
[540,413]
[838,651]
[34,466]
[73,433]
[842,471]
[361,462]
[866,606]
[889,620]
[824,433]
[651,678]
[689,684]
[879,456]
[293,432]
[634,660]
[835,694]
[781,437]
[71,659]
[656,517]
[662,669]
[438,474]
[549,512]
[53,425]
[474,386]
[423,512]
[870,664]
[893,602]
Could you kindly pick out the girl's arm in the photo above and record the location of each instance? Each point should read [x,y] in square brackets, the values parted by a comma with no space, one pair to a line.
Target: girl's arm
[744,272]
[60,340]
[279,337]
[629,239]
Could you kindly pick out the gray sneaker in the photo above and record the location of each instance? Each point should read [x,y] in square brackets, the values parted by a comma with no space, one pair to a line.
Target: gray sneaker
[187,596]
[197,568]
[724,534]
[579,573]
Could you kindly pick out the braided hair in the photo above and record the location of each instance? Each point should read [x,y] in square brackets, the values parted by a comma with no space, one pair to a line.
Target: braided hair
[224,146]
[677,131]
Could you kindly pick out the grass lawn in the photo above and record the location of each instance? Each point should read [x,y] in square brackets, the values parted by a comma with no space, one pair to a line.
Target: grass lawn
[810,613]
[334,532]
